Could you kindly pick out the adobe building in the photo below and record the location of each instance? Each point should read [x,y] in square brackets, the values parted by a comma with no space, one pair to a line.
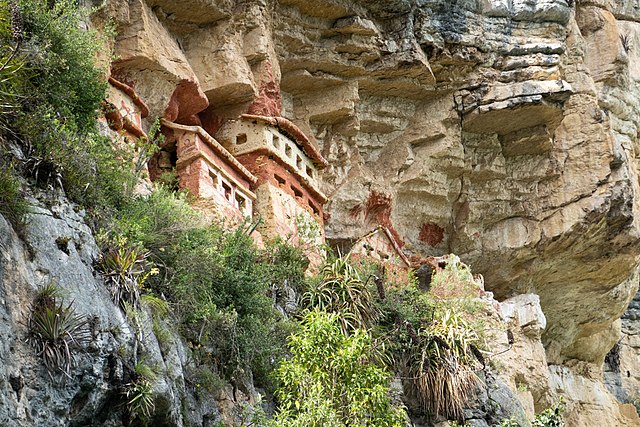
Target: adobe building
[221,184]
[286,166]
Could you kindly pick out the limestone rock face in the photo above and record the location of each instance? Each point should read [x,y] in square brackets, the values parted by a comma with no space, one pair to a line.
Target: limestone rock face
[58,247]
[503,131]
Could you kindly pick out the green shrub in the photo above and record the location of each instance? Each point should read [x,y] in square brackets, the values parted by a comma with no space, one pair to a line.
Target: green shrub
[60,54]
[139,393]
[444,365]
[157,222]
[217,281]
[434,344]
[140,400]
[125,269]
[550,417]
[13,205]
[220,287]
[332,380]
[12,67]
[59,95]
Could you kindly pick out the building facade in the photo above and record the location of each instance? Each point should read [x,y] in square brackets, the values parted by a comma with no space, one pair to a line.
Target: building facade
[207,170]
[287,168]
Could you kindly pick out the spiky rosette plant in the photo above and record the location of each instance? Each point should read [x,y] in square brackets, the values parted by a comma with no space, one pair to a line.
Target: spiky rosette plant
[125,269]
[343,292]
[445,360]
[55,330]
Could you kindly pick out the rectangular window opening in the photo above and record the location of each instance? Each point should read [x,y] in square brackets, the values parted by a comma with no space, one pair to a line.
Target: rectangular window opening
[241,139]
[309,172]
[214,179]
[288,151]
[226,189]
[276,141]
[280,179]
[241,202]
[314,208]
[299,162]
[296,191]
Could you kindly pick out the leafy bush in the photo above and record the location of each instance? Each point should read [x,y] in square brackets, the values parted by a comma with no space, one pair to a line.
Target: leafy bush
[50,94]
[332,380]
[140,400]
[217,280]
[550,417]
[433,343]
[139,393]
[220,287]
[444,364]
[55,329]
[343,292]
[13,205]
[156,222]
[12,67]
[60,54]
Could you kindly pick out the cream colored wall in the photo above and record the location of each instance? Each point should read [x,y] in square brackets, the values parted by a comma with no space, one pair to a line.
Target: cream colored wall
[264,136]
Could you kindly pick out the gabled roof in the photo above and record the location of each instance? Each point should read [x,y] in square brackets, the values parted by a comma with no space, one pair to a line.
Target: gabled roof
[215,146]
[290,129]
[392,239]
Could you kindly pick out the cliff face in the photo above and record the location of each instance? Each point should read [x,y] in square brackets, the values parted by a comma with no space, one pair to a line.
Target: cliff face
[501,130]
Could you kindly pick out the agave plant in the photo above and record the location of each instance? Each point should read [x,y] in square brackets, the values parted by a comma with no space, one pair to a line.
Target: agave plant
[55,330]
[343,292]
[445,360]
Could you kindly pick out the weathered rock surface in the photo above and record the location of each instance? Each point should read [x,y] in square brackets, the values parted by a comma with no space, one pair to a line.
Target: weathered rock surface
[508,129]
[58,247]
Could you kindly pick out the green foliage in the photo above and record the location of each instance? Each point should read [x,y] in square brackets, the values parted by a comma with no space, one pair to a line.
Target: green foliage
[444,363]
[434,344]
[156,221]
[140,397]
[12,69]
[125,269]
[550,417]
[509,422]
[13,205]
[220,287]
[56,330]
[331,380]
[636,403]
[285,263]
[456,286]
[60,53]
[145,371]
[140,400]
[217,282]
[342,291]
[50,94]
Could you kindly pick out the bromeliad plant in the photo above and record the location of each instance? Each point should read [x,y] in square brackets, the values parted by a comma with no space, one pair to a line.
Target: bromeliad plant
[55,330]
[343,292]
[126,268]
[140,395]
[445,360]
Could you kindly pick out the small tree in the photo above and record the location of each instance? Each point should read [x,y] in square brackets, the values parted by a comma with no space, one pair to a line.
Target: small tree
[333,379]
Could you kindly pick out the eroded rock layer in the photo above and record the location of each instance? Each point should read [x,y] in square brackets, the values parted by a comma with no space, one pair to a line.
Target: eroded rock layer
[502,130]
